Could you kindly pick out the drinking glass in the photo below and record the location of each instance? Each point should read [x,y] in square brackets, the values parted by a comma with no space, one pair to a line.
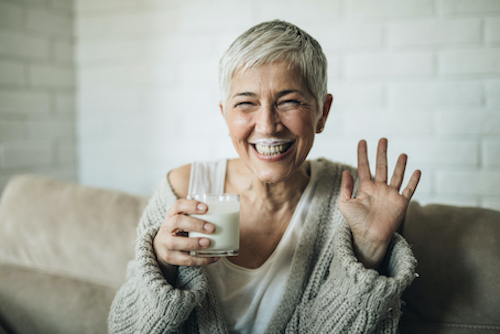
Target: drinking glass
[224,213]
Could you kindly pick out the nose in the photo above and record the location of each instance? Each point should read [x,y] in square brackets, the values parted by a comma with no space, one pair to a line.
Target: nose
[268,120]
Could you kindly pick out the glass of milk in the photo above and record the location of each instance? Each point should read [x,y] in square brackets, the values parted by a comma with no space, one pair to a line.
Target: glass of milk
[224,213]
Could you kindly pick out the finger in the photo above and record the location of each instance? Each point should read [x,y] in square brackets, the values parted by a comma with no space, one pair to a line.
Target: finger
[412,185]
[178,243]
[363,165]
[184,223]
[187,206]
[399,172]
[346,186]
[174,250]
[185,259]
[381,168]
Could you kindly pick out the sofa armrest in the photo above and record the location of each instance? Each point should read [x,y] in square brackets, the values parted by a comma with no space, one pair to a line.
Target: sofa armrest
[458,253]
[36,302]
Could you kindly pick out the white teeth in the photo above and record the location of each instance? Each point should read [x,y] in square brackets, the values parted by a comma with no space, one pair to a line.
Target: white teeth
[272,150]
[271,141]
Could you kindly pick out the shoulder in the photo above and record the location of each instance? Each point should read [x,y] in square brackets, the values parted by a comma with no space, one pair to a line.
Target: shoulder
[327,168]
[329,178]
[179,180]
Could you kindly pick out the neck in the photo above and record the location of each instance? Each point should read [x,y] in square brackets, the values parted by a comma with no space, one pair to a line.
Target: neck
[268,196]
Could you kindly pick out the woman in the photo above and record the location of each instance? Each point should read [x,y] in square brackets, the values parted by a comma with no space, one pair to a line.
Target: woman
[313,258]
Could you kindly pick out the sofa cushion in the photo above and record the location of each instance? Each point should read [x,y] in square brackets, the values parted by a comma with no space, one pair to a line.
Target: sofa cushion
[34,302]
[68,229]
[458,253]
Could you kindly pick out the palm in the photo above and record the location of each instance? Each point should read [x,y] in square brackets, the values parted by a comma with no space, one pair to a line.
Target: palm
[378,208]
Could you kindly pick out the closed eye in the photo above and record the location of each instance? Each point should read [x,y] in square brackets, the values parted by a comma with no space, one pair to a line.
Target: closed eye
[245,106]
[289,104]
[243,103]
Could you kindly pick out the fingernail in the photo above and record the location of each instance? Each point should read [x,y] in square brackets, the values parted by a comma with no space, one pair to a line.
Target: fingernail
[204,243]
[201,207]
[208,227]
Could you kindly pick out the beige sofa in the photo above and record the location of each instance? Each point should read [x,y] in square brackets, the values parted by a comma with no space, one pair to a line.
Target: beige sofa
[64,249]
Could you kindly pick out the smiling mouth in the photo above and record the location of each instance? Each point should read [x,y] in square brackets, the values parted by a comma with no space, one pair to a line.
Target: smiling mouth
[272,149]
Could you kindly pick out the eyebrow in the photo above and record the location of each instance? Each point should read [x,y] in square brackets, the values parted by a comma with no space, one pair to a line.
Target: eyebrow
[280,94]
[288,91]
[250,94]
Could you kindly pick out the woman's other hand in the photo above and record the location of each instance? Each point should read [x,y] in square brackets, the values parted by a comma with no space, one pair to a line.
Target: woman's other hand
[171,244]
[378,209]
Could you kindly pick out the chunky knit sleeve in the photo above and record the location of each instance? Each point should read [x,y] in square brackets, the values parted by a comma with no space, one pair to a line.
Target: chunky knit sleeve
[147,303]
[354,299]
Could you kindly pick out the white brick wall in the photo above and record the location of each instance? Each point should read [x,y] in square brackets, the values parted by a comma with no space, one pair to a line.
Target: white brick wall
[424,73]
[11,15]
[50,21]
[492,28]
[491,154]
[37,89]
[434,32]
[437,93]
[12,73]
[22,101]
[479,61]
[468,7]
[469,122]
[493,94]
[408,64]
[389,8]
[45,76]
[338,36]
[21,45]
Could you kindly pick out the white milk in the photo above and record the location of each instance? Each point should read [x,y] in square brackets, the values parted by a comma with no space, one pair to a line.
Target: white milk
[225,216]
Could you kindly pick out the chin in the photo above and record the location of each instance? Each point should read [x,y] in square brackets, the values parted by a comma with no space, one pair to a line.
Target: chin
[272,174]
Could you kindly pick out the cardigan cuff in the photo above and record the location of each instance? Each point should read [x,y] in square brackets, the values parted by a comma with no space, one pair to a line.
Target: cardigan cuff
[367,288]
[179,301]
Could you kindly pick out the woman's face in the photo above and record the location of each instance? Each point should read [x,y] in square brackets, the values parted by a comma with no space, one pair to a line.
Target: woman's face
[273,118]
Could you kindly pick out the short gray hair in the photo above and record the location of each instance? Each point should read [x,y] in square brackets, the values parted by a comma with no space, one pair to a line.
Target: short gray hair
[276,41]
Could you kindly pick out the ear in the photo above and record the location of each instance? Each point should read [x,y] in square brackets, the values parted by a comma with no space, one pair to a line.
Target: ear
[324,113]
[221,106]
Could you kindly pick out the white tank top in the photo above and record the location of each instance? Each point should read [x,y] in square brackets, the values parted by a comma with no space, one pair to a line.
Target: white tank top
[249,297]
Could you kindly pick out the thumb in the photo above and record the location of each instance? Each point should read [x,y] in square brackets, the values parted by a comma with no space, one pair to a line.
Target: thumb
[346,186]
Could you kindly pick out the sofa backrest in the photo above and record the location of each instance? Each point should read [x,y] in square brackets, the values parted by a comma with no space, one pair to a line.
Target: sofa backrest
[68,229]
[458,253]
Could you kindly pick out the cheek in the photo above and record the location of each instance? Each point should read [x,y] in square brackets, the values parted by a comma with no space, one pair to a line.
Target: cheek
[301,125]
[238,126]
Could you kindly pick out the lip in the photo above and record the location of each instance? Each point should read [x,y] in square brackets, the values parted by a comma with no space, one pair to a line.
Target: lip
[275,157]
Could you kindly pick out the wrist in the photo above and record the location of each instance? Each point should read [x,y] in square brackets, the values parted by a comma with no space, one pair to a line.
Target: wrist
[168,270]
[369,252]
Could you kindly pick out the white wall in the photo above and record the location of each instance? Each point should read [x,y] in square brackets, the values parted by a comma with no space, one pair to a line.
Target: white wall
[423,73]
[37,89]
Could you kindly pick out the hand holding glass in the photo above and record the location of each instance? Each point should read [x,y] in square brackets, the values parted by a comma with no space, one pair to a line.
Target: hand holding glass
[224,213]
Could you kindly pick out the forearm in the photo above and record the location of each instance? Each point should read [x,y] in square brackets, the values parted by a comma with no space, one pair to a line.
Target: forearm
[168,270]
[147,303]
[370,252]
[356,299]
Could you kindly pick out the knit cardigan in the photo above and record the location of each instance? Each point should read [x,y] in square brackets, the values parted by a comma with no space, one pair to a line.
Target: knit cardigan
[328,290]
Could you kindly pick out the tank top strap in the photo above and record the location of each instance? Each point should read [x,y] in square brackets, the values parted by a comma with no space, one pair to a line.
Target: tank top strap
[207,177]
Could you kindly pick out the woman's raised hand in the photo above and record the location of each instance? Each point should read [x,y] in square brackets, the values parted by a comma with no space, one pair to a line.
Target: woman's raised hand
[171,244]
[378,209]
